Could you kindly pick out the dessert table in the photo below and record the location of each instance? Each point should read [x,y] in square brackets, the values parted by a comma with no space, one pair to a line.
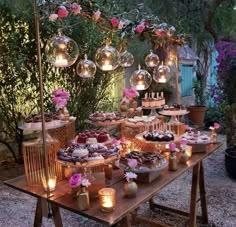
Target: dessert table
[126,207]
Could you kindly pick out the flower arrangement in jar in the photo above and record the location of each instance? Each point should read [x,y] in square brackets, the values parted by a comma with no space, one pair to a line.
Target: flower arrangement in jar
[213,129]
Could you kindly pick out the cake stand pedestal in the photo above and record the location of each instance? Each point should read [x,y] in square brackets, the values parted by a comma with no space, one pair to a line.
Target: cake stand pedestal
[153,110]
[174,116]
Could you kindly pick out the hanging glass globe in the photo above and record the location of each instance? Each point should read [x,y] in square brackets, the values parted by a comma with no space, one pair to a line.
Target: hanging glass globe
[107,57]
[86,68]
[62,51]
[141,79]
[126,59]
[152,60]
[161,74]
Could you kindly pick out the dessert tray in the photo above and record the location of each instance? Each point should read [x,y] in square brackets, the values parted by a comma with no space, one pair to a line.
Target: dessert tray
[147,161]
[88,155]
[196,137]
[174,112]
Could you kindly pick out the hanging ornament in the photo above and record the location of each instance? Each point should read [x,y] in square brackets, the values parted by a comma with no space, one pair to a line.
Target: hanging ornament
[126,59]
[152,60]
[107,57]
[86,68]
[161,74]
[62,51]
[140,79]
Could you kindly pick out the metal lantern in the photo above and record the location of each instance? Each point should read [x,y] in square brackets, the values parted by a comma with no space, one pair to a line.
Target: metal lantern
[86,68]
[140,79]
[152,60]
[126,59]
[161,74]
[62,51]
[107,57]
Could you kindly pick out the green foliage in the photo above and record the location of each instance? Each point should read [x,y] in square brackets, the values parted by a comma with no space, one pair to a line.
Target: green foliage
[199,92]
[215,114]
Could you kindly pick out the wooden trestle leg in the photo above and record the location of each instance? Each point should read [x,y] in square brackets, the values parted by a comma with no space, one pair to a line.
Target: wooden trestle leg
[38,218]
[56,215]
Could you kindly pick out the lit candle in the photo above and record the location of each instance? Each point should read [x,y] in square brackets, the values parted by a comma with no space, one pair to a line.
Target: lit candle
[60,61]
[140,86]
[162,79]
[107,66]
[107,199]
[51,184]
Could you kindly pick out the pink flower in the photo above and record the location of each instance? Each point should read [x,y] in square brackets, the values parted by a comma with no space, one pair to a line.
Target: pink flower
[96,15]
[139,28]
[159,32]
[183,141]
[132,163]
[53,17]
[172,147]
[114,22]
[121,25]
[216,125]
[115,142]
[130,93]
[64,94]
[75,180]
[76,8]
[57,92]
[56,100]
[62,12]
[85,182]
[123,140]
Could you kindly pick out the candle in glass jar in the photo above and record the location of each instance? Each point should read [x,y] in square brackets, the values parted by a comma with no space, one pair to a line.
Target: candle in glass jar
[162,79]
[61,61]
[107,199]
[107,66]
[51,184]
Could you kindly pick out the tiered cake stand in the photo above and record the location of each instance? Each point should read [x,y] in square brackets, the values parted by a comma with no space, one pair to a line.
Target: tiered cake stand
[153,110]
[174,116]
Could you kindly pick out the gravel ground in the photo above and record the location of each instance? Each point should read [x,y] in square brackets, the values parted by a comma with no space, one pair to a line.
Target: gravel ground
[17,209]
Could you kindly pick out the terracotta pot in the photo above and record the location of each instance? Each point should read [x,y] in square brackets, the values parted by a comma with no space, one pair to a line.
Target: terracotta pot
[197,114]
[130,189]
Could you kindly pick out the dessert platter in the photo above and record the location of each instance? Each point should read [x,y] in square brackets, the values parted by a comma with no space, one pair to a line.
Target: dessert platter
[196,137]
[87,155]
[105,119]
[92,137]
[147,161]
[141,121]
[34,122]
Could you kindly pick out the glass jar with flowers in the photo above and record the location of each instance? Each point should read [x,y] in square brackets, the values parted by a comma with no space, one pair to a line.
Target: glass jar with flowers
[213,134]
[60,99]
[184,157]
[173,159]
[130,187]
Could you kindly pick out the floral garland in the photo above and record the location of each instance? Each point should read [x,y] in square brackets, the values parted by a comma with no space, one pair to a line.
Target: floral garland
[145,28]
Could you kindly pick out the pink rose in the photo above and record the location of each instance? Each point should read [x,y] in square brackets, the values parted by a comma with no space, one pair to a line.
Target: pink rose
[115,142]
[114,22]
[56,100]
[64,94]
[132,163]
[57,92]
[76,8]
[121,25]
[159,32]
[139,28]
[216,125]
[96,15]
[53,17]
[172,146]
[75,180]
[62,12]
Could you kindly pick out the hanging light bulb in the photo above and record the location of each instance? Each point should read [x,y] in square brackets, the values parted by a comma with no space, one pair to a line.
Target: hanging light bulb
[86,68]
[62,51]
[126,59]
[161,74]
[107,57]
[152,60]
[140,79]
[170,59]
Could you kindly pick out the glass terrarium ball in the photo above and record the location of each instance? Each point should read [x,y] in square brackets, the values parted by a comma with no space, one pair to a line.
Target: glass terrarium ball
[152,60]
[62,51]
[161,74]
[141,79]
[107,58]
[86,68]
[126,59]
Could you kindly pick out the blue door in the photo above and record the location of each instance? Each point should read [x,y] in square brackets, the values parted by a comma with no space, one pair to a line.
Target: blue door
[186,73]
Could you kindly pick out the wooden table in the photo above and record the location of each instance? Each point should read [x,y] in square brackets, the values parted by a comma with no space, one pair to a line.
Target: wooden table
[126,206]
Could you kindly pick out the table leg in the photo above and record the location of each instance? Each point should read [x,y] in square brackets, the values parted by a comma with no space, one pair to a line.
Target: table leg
[56,215]
[194,195]
[38,218]
[124,222]
[203,196]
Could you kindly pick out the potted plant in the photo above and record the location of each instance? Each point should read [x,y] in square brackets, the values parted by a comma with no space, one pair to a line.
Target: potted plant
[197,111]
[226,95]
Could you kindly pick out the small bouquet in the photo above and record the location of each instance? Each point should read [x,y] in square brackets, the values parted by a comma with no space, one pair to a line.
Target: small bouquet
[76,181]
[60,98]
[129,94]
[183,144]
[215,126]
[173,148]
[130,175]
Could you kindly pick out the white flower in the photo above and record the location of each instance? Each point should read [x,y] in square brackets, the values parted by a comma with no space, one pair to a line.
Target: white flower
[121,24]
[130,175]
[85,182]
[53,17]
[96,15]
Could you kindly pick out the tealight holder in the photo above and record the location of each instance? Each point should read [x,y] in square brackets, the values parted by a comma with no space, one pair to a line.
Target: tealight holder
[51,184]
[107,199]
[152,60]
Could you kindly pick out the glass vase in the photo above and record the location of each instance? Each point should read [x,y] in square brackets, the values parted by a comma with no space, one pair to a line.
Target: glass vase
[83,199]
[173,163]
[130,189]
